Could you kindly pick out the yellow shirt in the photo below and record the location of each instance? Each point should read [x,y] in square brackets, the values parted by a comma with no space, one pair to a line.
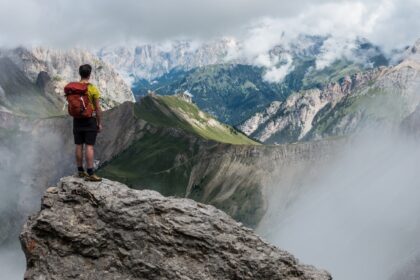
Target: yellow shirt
[93,95]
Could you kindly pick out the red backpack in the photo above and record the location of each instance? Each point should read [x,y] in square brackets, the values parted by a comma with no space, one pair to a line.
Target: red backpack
[78,101]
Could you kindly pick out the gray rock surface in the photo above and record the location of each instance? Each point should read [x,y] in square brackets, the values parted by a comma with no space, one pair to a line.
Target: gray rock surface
[293,119]
[62,67]
[344,106]
[108,231]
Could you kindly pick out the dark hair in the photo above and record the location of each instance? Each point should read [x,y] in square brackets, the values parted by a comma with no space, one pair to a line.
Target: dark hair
[85,70]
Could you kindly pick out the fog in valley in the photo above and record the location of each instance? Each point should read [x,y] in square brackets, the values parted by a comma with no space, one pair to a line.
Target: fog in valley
[25,169]
[357,216]
[12,260]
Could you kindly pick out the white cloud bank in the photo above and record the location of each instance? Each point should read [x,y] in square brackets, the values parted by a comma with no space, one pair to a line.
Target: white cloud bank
[100,22]
[358,216]
[257,25]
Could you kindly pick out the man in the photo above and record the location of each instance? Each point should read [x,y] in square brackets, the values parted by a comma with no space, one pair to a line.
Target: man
[83,105]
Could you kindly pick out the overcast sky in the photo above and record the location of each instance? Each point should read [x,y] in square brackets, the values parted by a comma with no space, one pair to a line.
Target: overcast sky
[390,23]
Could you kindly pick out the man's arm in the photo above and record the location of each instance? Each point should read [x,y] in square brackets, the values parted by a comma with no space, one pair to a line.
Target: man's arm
[98,111]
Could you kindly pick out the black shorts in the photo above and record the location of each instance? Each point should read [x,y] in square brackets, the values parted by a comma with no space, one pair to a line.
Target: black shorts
[85,131]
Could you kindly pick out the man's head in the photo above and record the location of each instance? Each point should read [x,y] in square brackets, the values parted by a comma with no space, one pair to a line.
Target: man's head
[85,70]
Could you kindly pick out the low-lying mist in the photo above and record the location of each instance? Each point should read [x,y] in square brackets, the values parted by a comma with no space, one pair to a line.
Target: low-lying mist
[30,160]
[357,216]
[12,262]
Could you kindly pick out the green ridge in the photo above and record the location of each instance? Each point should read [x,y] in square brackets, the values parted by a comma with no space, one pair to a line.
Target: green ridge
[151,162]
[173,111]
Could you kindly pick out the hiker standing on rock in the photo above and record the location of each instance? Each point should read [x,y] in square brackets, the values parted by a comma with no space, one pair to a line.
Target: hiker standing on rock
[83,105]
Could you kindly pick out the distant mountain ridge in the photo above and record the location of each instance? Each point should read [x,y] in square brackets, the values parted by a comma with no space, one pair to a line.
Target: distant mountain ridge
[382,96]
[233,92]
[151,61]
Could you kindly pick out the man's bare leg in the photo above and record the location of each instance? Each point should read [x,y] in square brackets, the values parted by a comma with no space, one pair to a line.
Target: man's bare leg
[79,155]
[89,156]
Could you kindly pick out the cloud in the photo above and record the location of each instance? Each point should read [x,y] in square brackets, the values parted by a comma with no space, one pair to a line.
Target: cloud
[278,73]
[12,262]
[332,49]
[359,212]
[341,22]
[101,22]
[256,26]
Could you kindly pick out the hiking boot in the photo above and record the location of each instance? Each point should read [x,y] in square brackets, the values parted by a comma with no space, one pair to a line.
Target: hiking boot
[93,178]
[82,174]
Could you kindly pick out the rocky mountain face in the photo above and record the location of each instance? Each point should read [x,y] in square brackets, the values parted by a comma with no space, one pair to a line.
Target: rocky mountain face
[296,117]
[52,69]
[108,231]
[18,94]
[383,96]
[150,61]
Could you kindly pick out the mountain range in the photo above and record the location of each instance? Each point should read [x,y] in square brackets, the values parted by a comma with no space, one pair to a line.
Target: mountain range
[151,61]
[235,89]
[309,102]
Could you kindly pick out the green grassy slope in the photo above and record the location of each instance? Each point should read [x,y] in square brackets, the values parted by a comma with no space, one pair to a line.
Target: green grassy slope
[151,162]
[172,111]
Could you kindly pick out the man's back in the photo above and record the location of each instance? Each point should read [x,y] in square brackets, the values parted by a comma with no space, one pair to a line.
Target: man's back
[86,123]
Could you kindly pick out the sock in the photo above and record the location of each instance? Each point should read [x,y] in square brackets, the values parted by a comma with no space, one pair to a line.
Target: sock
[90,171]
[80,169]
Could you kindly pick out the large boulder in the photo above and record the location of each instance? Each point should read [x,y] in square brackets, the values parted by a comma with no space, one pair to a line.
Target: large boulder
[109,231]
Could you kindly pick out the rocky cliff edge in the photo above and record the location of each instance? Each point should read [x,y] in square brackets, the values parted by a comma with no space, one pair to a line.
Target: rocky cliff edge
[109,231]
